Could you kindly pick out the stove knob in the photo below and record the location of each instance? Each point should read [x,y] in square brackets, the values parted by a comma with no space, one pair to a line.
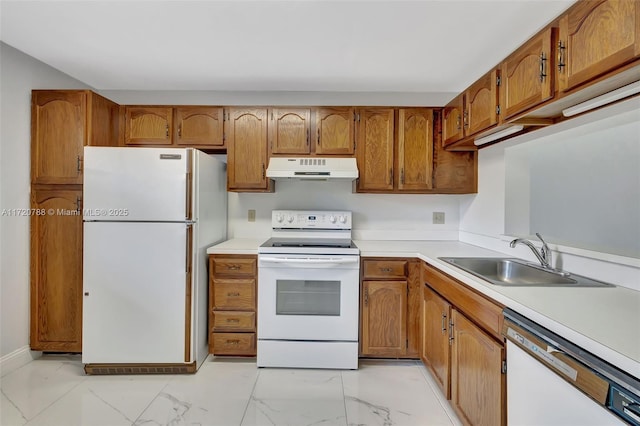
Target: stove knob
[279,217]
[290,218]
[343,219]
[332,219]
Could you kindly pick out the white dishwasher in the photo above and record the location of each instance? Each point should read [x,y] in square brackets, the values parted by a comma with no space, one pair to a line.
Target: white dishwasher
[550,381]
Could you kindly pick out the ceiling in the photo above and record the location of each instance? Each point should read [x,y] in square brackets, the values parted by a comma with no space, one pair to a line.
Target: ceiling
[295,45]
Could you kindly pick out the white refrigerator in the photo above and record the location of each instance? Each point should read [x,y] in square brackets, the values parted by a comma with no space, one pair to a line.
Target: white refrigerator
[149,215]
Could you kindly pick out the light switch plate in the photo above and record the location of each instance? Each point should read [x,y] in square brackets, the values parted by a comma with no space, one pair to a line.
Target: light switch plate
[251,215]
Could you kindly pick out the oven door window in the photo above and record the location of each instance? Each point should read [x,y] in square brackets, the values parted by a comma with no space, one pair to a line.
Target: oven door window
[308,297]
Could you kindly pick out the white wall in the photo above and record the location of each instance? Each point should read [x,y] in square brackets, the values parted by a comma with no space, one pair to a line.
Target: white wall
[375,216]
[482,217]
[20,74]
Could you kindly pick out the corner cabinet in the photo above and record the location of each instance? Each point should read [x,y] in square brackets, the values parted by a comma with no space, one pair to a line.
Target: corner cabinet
[232,304]
[390,308]
[453,120]
[247,160]
[62,123]
[597,37]
[463,348]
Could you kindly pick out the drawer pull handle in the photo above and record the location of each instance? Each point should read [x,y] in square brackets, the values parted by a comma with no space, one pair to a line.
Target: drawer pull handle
[233,342]
[233,294]
[444,323]
[233,267]
[233,320]
[386,269]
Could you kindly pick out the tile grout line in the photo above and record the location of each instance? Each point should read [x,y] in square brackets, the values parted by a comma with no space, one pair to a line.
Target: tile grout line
[14,404]
[253,389]
[438,394]
[151,402]
[344,400]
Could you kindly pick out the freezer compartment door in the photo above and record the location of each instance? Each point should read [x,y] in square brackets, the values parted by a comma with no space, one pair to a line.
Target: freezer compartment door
[137,184]
[137,306]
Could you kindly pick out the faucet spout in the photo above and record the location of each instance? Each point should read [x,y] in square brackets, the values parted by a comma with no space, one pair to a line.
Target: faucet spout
[543,255]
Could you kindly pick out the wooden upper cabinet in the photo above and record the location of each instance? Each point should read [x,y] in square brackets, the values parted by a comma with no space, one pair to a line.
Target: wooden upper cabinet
[148,125]
[246,130]
[596,37]
[384,318]
[62,123]
[335,131]
[56,271]
[289,130]
[375,136]
[415,148]
[527,76]
[199,126]
[453,120]
[481,102]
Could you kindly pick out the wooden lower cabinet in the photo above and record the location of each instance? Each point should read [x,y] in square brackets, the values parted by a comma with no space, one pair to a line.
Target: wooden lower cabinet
[56,270]
[463,349]
[390,308]
[232,304]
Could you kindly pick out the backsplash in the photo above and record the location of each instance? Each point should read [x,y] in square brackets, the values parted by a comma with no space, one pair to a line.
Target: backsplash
[375,216]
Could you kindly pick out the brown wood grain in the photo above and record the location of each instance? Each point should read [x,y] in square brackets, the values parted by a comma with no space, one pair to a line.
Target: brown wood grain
[375,149]
[238,344]
[103,119]
[234,294]
[481,101]
[453,121]
[148,125]
[414,309]
[415,148]
[436,351]
[384,318]
[234,321]
[385,268]
[454,172]
[56,271]
[235,265]
[290,130]
[199,126]
[335,131]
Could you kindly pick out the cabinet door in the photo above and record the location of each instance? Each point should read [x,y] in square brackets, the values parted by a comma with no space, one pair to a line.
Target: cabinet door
[415,148]
[436,353]
[375,149]
[289,130]
[199,126]
[596,37]
[384,318]
[477,382]
[56,271]
[481,104]
[335,131]
[452,121]
[58,132]
[527,76]
[247,149]
[148,126]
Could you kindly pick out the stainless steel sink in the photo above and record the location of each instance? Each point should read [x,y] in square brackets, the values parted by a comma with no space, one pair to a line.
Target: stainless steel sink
[515,272]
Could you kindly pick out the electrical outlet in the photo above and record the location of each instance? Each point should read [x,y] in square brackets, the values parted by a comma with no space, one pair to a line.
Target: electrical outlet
[251,215]
[438,218]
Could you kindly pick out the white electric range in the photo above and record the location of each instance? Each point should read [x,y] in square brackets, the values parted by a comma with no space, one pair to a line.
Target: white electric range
[308,292]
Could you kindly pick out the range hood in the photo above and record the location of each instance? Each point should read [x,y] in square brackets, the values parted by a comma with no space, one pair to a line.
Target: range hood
[312,168]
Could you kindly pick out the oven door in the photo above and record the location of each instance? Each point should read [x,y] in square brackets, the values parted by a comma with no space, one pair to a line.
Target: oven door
[308,297]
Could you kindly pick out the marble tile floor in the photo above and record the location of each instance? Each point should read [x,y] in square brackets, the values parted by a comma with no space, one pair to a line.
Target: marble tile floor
[54,390]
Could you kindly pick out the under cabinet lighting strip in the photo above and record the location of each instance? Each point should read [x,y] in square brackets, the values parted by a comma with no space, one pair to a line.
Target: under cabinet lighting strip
[500,134]
[614,95]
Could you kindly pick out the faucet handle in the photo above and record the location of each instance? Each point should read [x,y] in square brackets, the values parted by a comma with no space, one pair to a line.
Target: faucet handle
[546,252]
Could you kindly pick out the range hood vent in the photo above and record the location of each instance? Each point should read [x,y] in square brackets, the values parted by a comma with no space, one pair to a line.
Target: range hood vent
[312,168]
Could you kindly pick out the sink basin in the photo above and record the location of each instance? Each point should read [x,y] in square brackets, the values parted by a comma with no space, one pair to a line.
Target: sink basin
[514,272]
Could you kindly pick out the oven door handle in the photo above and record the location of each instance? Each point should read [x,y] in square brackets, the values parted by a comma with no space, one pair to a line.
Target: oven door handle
[310,260]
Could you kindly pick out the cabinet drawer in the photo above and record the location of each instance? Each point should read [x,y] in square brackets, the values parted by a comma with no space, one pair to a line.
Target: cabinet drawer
[385,269]
[234,265]
[234,343]
[234,294]
[234,321]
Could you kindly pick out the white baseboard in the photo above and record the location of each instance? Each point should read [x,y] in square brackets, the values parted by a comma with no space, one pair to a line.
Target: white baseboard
[16,359]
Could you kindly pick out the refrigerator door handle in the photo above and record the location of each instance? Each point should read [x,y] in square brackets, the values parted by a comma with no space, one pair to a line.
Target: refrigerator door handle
[188,292]
[189,194]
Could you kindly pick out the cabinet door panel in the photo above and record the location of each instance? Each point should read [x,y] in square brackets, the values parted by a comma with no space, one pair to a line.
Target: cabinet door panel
[435,340]
[199,126]
[375,149]
[58,121]
[148,126]
[527,76]
[598,36]
[415,148]
[477,382]
[335,131]
[384,318]
[289,131]
[452,121]
[247,149]
[481,102]
[56,271]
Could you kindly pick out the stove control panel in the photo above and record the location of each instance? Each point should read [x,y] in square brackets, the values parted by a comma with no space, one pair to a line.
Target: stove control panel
[310,219]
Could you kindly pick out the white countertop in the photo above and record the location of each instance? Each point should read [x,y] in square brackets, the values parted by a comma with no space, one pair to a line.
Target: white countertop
[603,321]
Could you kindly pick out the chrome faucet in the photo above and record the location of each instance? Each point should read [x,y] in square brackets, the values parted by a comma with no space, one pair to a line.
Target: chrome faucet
[544,255]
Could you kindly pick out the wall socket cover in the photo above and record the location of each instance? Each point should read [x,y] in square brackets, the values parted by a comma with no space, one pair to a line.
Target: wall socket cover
[438,218]
[251,215]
